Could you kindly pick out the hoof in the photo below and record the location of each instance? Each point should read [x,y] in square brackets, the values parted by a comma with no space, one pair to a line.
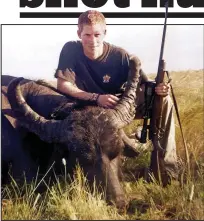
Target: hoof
[121,204]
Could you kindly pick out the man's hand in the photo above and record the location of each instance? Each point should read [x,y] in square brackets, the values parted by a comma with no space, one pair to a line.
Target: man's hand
[107,100]
[163,89]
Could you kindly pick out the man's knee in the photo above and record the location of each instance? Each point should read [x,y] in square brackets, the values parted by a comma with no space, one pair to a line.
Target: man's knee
[167,100]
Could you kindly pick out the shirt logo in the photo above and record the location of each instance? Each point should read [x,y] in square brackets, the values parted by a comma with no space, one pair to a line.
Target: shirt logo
[106,78]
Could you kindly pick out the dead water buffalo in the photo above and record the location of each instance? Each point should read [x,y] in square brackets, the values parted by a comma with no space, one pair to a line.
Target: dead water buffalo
[91,136]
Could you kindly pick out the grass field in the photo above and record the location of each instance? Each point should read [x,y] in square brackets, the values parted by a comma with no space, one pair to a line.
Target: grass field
[148,201]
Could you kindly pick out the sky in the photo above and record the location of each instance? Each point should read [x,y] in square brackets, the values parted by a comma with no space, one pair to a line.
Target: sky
[32,51]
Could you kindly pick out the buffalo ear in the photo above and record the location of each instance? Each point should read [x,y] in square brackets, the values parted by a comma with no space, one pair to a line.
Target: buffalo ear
[130,151]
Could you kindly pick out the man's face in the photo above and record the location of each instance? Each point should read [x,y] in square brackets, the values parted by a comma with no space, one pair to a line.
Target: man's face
[92,37]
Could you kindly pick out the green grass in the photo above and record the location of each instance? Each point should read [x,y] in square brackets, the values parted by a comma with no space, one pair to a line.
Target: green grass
[148,201]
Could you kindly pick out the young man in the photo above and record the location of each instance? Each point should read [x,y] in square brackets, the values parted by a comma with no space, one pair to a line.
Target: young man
[92,69]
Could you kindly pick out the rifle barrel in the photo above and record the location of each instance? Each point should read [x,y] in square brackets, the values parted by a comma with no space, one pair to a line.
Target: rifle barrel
[160,65]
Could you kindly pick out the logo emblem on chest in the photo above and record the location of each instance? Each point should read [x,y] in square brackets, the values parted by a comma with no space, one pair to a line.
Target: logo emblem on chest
[106,78]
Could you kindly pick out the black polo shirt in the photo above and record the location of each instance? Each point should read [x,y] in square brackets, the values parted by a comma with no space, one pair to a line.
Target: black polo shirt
[104,75]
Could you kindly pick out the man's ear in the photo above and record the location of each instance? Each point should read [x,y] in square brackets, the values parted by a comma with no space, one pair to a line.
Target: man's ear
[105,31]
[79,34]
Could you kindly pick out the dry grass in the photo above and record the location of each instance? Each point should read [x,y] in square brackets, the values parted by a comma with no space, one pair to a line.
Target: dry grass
[148,200]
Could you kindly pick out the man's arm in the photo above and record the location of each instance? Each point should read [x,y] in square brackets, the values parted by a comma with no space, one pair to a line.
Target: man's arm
[68,88]
[105,100]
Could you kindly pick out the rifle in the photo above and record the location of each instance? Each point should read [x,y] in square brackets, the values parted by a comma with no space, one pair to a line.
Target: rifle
[153,102]
[156,132]
[154,106]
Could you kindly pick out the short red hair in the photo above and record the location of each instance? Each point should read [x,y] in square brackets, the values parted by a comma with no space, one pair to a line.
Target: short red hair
[91,17]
